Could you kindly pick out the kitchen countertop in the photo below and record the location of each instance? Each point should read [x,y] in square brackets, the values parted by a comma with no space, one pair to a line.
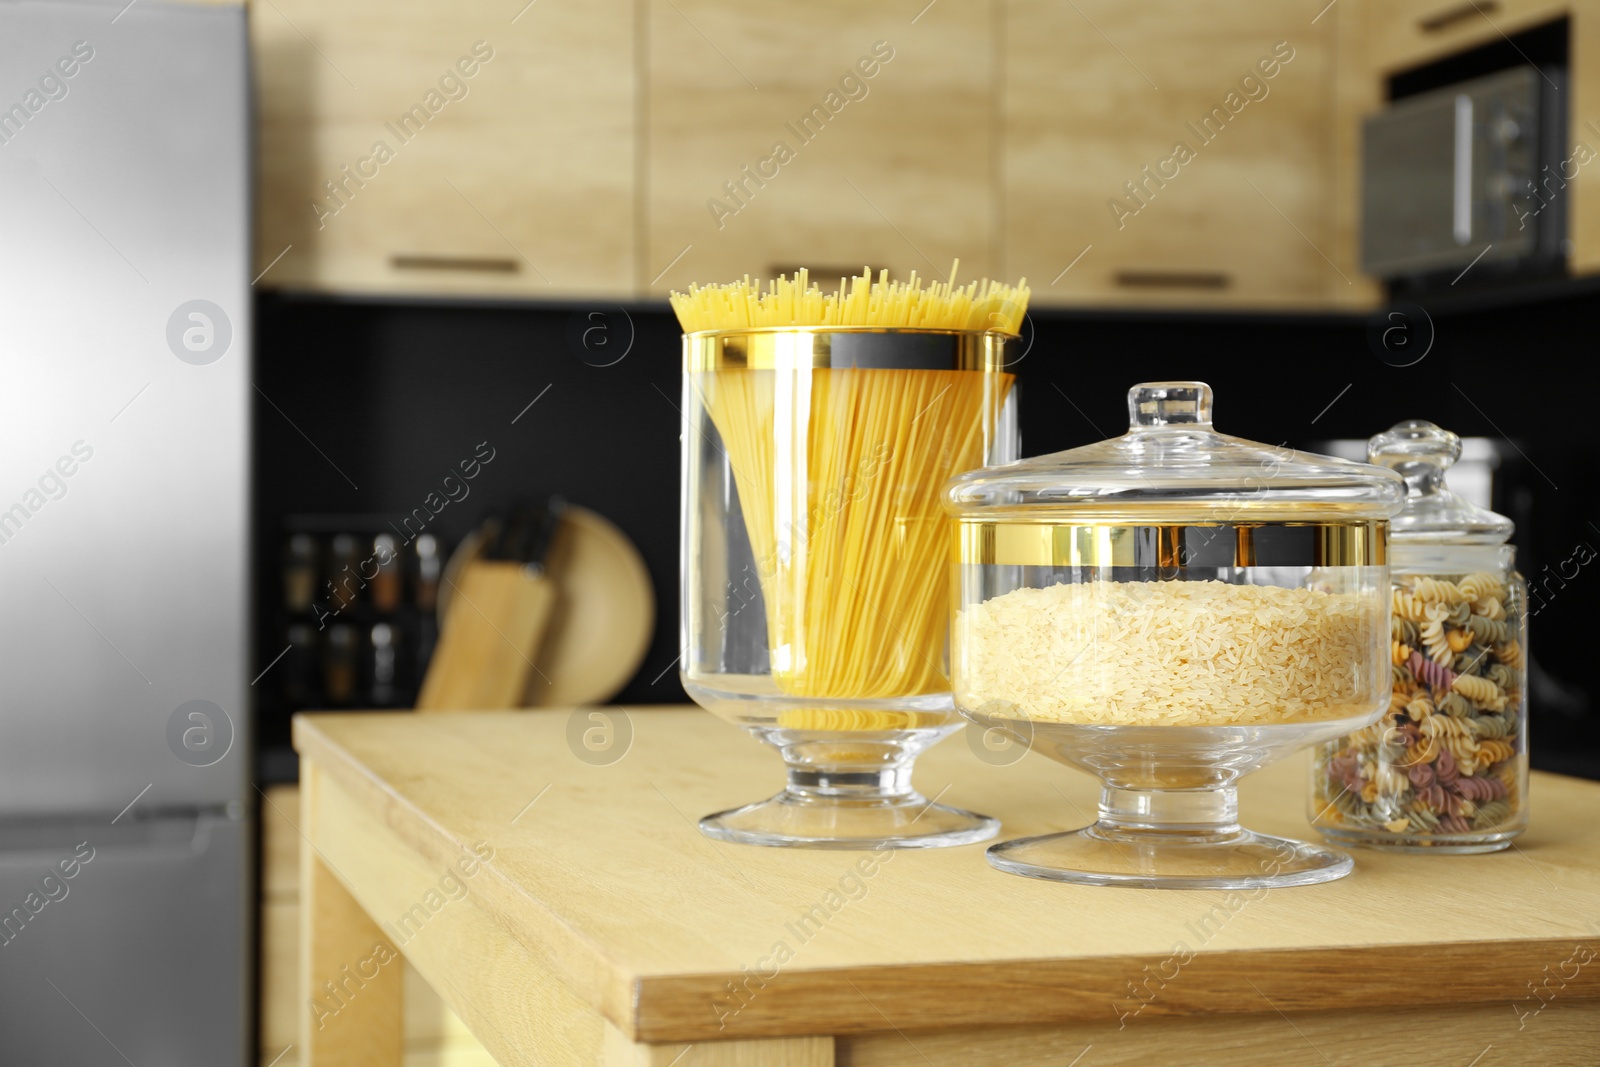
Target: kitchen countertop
[604,928]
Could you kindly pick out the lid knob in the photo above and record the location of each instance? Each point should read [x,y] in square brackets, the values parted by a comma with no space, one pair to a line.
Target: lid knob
[1152,404]
[1421,452]
[1414,444]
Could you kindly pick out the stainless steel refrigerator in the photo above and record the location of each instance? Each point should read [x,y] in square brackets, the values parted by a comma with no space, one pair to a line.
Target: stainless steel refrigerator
[125,844]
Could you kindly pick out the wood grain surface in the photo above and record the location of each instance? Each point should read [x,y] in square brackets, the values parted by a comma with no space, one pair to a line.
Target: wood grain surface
[601,879]
[897,168]
[359,1016]
[1098,94]
[519,182]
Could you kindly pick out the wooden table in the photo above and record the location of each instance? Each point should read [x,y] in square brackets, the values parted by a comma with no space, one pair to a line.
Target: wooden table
[604,929]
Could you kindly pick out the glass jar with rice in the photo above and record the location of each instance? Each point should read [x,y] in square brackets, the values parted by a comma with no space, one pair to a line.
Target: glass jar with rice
[1170,610]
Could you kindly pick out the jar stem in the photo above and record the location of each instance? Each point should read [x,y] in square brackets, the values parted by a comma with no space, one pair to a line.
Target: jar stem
[860,770]
[1194,814]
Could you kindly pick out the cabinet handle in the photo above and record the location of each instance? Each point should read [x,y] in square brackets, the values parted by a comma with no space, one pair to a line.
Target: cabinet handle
[820,275]
[492,264]
[1172,279]
[1443,20]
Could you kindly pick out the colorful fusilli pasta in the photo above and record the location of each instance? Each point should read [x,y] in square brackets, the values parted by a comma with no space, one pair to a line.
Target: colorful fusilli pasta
[1445,761]
[1488,631]
[1495,750]
[1415,609]
[1480,691]
[1477,586]
[1437,590]
[1494,727]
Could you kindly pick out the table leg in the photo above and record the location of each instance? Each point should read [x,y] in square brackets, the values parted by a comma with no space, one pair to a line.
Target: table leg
[350,974]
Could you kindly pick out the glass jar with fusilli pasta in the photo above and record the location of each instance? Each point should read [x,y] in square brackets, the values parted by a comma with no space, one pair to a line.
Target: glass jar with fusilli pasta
[1446,768]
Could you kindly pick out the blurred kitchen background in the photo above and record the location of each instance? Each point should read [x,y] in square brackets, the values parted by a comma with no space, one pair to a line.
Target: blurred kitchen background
[442,236]
[1184,186]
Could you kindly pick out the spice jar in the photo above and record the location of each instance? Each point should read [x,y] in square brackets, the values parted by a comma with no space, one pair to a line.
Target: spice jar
[300,574]
[1170,610]
[1446,768]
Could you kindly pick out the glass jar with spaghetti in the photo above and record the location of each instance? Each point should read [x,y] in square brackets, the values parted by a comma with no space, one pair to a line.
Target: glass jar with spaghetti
[1446,768]
[1170,610]
[814,606]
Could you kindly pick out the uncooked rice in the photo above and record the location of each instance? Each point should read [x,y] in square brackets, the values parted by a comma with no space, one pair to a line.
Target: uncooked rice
[1177,653]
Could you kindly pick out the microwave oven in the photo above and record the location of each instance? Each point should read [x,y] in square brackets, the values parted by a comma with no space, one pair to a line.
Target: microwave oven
[1472,174]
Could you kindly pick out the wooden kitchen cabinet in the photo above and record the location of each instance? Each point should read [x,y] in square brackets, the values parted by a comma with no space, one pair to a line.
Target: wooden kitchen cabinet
[623,148]
[432,148]
[1407,33]
[901,176]
[1095,92]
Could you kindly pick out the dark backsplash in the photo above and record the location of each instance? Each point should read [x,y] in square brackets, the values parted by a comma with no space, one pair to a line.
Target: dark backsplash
[386,397]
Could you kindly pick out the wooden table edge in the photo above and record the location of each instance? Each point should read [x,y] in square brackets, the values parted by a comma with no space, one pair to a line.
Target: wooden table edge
[613,992]
[1039,992]
[662,1008]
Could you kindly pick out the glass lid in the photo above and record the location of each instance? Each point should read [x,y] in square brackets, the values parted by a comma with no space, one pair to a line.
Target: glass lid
[1172,466]
[1421,453]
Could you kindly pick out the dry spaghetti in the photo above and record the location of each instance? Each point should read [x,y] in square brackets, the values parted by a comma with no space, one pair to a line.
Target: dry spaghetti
[859,301]
[839,472]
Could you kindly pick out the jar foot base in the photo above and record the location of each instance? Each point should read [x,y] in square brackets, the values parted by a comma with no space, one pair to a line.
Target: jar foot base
[1440,844]
[850,790]
[1144,860]
[800,820]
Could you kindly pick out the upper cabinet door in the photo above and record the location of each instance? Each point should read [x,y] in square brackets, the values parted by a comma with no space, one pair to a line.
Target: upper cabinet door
[1408,33]
[829,135]
[466,147]
[1171,154]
